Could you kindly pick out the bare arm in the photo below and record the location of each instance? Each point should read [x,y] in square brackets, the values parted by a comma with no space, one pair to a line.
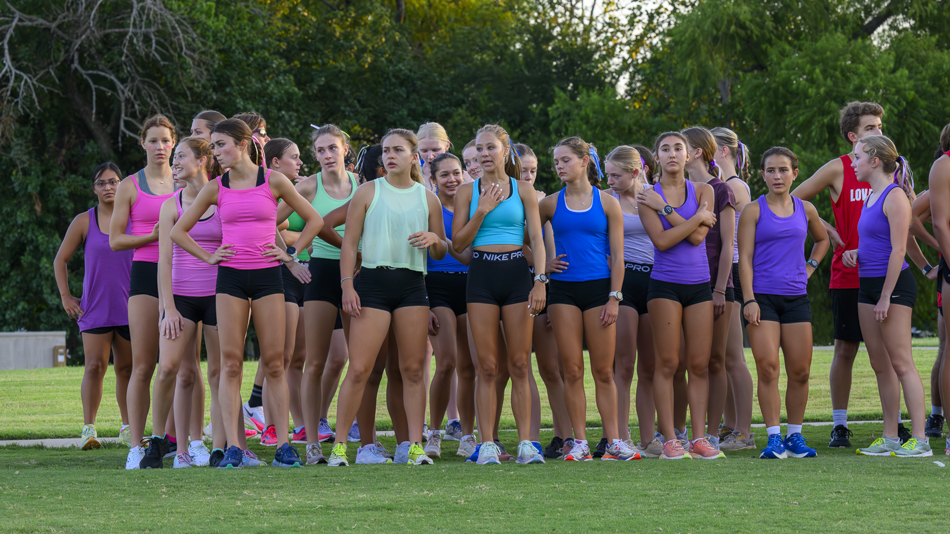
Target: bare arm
[171,323]
[897,210]
[666,239]
[615,234]
[438,248]
[831,177]
[74,238]
[355,216]
[207,197]
[330,221]
[818,234]
[747,223]
[121,211]
[654,201]
[940,201]
[307,189]
[283,189]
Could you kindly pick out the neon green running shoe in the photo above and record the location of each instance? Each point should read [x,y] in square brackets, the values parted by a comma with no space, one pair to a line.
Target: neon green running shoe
[89,438]
[418,456]
[338,456]
[880,447]
[914,448]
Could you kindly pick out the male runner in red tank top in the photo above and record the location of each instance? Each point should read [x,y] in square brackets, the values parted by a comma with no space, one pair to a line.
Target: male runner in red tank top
[857,120]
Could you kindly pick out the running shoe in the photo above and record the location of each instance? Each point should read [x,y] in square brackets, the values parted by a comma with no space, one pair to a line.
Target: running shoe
[724,431]
[216,456]
[673,450]
[425,431]
[453,430]
[382,450]
[567,448]
[682,436]
[250,432]
[704,449]
[601,448]
[934,427]
[90,440]
[198,452]
[488,453]
[580,453]
[529,454]
[249,459]
[269,437]
[315,455]
[172,448]
[735,441]
[914,448]
[467,447]
[300,437]
[880,447]
[775,449]
[946,449]
[125,434]
[254,417]
[417,456]
[233,458]
[433,446]
[903,433]
[135,457]
[474,457]
[354,435]
[795,447]
[402,453]
[621,451]
[371,455]
[500,445]
[183,461]
[153,454]
[654,449]
[537,445]
[207,431]
[553,450]
[325,433]
[338,456]
[286,456]
[841,437]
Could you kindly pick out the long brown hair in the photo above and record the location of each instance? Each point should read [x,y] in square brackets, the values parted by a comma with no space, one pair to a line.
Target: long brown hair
[582,150]
[239,131]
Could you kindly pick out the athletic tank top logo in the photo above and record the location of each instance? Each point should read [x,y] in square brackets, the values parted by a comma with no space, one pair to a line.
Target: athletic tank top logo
[495,256]
[860,195]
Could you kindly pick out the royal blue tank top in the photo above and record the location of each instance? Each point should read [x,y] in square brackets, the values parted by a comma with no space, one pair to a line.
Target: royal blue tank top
[582,237]
[448,264]
[874,238]
[503,225]
[778,261]
[683,263]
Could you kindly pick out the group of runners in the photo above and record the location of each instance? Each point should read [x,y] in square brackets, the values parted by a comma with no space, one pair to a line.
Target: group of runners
[403,251]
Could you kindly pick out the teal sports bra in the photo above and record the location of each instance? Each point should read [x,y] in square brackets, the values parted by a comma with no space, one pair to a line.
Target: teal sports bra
[503,225]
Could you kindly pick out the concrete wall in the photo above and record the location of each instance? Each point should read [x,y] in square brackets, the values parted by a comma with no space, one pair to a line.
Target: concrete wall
[29,350]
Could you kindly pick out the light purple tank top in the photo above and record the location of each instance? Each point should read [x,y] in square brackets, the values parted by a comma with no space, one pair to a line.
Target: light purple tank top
[735,236]
[105,282]
[637,247]
[683,263]
[192,277]
[874,238]
[778,261]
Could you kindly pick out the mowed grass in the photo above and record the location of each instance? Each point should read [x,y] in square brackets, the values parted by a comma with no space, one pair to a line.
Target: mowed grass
[45,403]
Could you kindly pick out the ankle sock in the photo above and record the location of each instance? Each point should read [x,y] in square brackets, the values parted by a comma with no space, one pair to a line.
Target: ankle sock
[772,430]
[936,410]
[840,417]
[794,429]
[171,439]
[256,400]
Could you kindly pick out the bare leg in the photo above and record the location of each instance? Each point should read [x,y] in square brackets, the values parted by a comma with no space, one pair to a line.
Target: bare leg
[738,413]
[336,361]
[197,415]
[797,348]
[122,365]
[96,348]
[888,384]
[445,344]
[646,364]
[295,370]
[718,381]
[410,328]
[143,326]
[319,318]
[549,367]
[483,320]
[518,324]
[625,363]
[698,319]
[373,327]
[465,371]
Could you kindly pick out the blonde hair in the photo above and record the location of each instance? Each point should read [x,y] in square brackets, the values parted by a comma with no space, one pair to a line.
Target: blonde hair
[434,130]
[740,153]
[512,161]
[882,148]
[701,138]
[414,172]
[628,159]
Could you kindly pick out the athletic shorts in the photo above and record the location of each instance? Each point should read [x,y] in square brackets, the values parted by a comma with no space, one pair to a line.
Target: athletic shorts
[324,283]
[685,294]
[197,309]
[388,289]
[447,289]
[584,295]
[730,292]
[844,311]
[905,291]
[249,283]
[293,288]
[144,279]
[943,273]
[499,278]
[783,309]
[338,325]
[122,330]
[737,290]
[636,284]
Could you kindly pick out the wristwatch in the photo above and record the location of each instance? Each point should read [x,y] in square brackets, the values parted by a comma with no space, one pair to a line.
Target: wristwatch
[813,262]
[927,268]
[617,295]
[665,211]
[293,253]
[543,278]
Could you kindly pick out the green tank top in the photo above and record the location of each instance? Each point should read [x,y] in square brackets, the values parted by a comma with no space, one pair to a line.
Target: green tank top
[324,203]
[296,225]
[393,216]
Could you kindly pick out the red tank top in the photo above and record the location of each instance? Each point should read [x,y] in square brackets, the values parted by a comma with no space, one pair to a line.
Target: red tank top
[847,211]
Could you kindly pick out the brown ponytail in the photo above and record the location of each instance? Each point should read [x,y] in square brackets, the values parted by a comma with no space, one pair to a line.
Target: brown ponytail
[239,131]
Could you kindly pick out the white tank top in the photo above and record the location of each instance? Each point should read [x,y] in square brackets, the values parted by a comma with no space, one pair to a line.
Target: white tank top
[393,216]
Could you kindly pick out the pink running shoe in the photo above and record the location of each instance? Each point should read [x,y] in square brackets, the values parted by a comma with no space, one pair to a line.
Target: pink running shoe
[300,437]
[702,449]
[673,450]
[269,437]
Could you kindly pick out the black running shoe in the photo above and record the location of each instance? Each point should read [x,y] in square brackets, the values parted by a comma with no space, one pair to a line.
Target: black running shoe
[153,454]
[553,450]
[903,433]
[216,456]
[934,428]
[501,446]
[170,450]
[840,437]
[601,448]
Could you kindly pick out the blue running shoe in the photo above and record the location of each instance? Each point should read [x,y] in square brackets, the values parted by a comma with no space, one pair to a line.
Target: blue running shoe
[537,445]
[402,453]
[286,456]
[232,458]
[796,448]
[474,456]
[775,448]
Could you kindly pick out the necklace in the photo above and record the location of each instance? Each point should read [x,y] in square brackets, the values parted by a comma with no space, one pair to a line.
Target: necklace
[583,202]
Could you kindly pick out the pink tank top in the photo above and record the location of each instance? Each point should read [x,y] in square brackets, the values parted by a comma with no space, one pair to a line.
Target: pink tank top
[249,223]
[192,277]
[143,216]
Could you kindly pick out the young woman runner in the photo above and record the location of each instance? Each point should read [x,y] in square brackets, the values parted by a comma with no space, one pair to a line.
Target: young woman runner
[774,272]
[433,142]
[204,122]
[470,158]
[626,179]
[679,298]
[256,123]
[138,202]
[939,180]
[246,197]
[720,242]
[397,220]
[586,294]
[102,311]
[888,291]
[732,158]
[490,216]
[649,162]
[186,299]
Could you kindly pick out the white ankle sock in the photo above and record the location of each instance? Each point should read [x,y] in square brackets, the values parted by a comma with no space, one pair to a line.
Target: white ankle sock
[772,430]
[936,410]
[794,429]
[840,417]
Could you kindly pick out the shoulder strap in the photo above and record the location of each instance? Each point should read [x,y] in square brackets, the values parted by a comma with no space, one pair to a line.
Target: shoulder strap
[226,179]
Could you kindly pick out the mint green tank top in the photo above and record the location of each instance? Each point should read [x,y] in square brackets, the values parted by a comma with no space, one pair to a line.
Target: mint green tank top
[324,203]
[393,216]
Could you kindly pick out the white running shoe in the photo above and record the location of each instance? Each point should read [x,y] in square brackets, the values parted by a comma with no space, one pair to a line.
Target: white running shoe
[467,446]
[371,455]
[488,454]
[338,456]
[622,452]
[89,438]
[433,448]
[383,450]
[254,417]
[135,457]
[198,451]
[207,431]
[315,454]
[528,453]
[182,461]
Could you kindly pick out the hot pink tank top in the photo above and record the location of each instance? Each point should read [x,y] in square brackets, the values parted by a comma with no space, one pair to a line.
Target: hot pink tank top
[143,216]
[249,223]
[192,277]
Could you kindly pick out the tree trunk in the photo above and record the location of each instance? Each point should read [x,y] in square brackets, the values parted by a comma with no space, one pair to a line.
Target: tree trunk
[99,132]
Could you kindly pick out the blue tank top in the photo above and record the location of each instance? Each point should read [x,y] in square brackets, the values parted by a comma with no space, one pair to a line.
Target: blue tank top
[874,238]
[683,263]
[448,264]
[582,236]
[503,225]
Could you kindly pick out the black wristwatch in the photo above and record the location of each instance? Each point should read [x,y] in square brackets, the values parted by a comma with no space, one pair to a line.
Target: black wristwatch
[543,278]
[293,253]
[927,268]
[665,211]
[813,262]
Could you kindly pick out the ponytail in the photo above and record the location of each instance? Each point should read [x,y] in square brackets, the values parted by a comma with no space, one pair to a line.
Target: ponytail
[582,150]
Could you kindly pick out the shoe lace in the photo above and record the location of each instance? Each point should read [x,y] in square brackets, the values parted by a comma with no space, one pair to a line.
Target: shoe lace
[878,442]
[775,440]
[910,444]
[313,448]
[796,440]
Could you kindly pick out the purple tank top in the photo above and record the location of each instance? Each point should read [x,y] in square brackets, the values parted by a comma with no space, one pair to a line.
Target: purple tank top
[874,237]
[192,277]
[683,263]
[778,261]
[105,282]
